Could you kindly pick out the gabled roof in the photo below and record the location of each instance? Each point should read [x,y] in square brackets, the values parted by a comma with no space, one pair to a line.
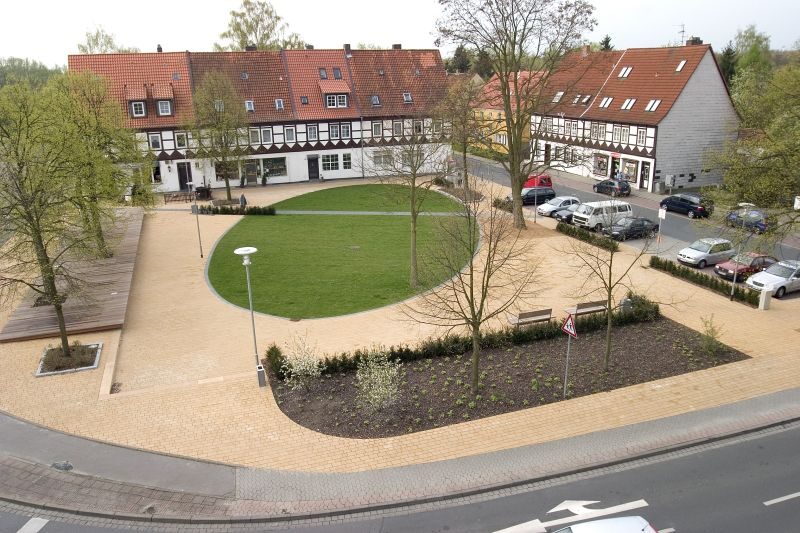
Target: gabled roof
[143,76]
[490,97]
[257,75]
[304,72]
[388,74]
[640,74]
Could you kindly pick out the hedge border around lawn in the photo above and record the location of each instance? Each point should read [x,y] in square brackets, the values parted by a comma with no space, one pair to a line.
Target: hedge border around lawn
[586,236]
[643,310]
[236,210]
[740,294]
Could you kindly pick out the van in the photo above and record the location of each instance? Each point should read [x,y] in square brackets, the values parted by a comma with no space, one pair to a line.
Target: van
[538,180]
[599,215]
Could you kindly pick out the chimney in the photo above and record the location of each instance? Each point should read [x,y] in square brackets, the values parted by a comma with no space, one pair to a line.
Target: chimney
[586,50]
[250,48]
[347,52]
[159,49]
[693,41]
[397,47]
[309,47]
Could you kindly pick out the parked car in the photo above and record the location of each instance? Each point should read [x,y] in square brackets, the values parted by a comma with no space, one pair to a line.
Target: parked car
[535,195]
[743,265]
[538,180]
[550,207]
[621,524]
[692,205]
[598,215]
[632,228]
[706,252]
[613,187]
[779,278]
[749,217]
[565,215]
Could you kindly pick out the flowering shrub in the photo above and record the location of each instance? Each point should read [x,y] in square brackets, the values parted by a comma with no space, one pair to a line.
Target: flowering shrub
[377,379]
[300,364]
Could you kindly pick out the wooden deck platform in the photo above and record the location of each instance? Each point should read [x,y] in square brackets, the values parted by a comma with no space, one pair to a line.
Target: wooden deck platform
[106,301]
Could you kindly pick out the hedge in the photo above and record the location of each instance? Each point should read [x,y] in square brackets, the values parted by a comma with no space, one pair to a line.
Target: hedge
[587,236]
[740,294]
[236,210]
[643,310]
[503,203]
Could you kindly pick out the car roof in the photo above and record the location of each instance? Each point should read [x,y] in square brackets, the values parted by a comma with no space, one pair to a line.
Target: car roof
[565,197]
[713,240]
[622,524]
[791,263]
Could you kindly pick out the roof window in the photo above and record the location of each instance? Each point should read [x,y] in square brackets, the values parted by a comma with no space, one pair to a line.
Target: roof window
[337,73]
[577,98]
[176,76]
[652,105]
[628,104]
[304,100]
[323,74]
[279,104]
[557,97]
[376,100]
[625,72]
[244,76]
[606,102]
[249,106]
[680,65]
[586,98]
[407,98]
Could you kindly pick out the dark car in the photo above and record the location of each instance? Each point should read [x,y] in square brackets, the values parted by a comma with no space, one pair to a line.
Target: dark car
[536,195]
[632,228]
[613,187]
[692,205]
[749,218]
[565,215]
[744,265]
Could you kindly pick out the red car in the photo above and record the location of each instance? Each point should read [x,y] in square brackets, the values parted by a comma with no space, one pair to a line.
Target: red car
[538,180]
[744,265]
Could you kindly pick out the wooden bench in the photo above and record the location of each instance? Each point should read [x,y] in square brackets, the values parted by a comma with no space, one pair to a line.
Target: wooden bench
[178,197]
[530,317]
[587,308]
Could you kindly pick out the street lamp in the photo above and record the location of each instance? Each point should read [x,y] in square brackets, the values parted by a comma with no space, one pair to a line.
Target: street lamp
[196,215]
[246,252]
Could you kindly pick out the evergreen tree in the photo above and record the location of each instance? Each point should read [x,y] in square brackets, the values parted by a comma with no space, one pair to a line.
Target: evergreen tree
[727,62]
[460,61]
[605,43]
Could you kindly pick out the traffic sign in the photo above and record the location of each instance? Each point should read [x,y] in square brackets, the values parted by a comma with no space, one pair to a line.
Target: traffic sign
[662,213]
[568,327]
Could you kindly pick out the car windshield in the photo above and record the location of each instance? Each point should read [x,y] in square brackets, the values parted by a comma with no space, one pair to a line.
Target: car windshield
[782,271]
[573,207]
[584,209]
[700,246]
[555,201]
[742,259]
[625,222]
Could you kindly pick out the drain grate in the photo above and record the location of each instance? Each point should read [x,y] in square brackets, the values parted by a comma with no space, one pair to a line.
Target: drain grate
[64,466]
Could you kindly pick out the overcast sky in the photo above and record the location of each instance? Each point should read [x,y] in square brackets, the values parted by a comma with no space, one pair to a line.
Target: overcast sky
[49,30]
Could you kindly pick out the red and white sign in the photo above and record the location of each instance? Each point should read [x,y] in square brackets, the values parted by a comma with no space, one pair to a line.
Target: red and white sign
[568,327]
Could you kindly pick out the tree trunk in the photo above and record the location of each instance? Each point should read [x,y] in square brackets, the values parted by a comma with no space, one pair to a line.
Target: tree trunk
[466,173]
[609,294]
[476,356]
[413,275]
[62,328]
[50,288]
[97,229]
[516,196]
[227,186]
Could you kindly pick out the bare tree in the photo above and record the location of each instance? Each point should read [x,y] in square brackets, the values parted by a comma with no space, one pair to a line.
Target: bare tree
[499,272]
[101,42]
[457,114]
[415,163]
[525,41]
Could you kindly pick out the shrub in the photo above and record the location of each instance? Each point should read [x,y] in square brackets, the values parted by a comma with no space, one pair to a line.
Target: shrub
[236,210]
[503,203]
[378,379]
[301,365]
[709,342]
[586,236]
[741,294]
[274,360]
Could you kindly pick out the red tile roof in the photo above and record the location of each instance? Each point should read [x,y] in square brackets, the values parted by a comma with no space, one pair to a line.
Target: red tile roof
[303,66]
[490,97]
[162,92]
[258,75]
[131,76]
[390,73]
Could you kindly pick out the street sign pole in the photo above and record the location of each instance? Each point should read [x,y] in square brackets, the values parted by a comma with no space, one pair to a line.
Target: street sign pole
[568,327]
[662,216]
[566,368]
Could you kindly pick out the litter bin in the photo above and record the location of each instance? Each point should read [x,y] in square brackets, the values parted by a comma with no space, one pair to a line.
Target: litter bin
[658,187]
[203,193]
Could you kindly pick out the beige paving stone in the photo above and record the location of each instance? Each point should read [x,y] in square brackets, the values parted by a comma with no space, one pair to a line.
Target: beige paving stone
[189,388]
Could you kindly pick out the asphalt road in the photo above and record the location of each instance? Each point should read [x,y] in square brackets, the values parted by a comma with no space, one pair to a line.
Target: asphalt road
[677,230]
[740,486]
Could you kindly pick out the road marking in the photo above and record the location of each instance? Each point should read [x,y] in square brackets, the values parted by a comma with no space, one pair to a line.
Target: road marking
[782,499]
[668,530]
[580,513]
[33,525]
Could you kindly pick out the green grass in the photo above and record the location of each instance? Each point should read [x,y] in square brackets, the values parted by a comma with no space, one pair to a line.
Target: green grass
[377,197]
[311,266]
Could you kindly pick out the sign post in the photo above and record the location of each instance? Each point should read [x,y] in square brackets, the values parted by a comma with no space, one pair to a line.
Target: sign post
[662,217]
[568,327]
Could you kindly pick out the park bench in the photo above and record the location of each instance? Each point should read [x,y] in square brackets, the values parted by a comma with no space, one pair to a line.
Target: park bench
[587,308]
[530,317]
[178,197]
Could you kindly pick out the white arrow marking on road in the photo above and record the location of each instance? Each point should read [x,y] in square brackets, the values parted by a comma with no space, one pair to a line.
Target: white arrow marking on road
[668,530]
[782,499]
[537,526]
[33,525]
[573,506]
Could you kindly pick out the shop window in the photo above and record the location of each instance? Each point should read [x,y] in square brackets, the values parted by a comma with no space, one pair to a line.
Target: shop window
[600,166]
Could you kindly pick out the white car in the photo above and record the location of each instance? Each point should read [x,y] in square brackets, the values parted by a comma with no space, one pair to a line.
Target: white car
[779,278]
[704,252]
[623,524]
[556,204]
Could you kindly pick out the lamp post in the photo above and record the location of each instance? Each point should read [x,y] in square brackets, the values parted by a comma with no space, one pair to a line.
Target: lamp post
[196,216]
[246,252]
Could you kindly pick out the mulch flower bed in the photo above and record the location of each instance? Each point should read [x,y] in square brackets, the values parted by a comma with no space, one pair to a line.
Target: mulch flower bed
[81,356]
[436,392]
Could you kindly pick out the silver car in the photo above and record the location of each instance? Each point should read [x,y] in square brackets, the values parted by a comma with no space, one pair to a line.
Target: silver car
[705,252]
[549,208]
[778,278]
[623,524]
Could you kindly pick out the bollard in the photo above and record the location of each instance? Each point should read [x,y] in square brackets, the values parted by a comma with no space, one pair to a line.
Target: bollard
[262,376]
[764,299]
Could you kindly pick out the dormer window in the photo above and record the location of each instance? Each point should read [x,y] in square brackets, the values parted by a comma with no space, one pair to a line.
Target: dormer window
[606,102]
[138,109]
[335,100]
[376,100]
[323,74]
[337,73]
[625,72]
[407,98]
[164,108]
[628,103]
[557,97]
[249,106]
[652,105]
[279,104]
[680,65]
[304,100]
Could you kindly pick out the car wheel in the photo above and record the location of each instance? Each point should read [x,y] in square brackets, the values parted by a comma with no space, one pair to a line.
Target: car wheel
[594,188]
[598,228]
[781,292]
[614,192]
[623,236]
[691,214]
[702,264]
